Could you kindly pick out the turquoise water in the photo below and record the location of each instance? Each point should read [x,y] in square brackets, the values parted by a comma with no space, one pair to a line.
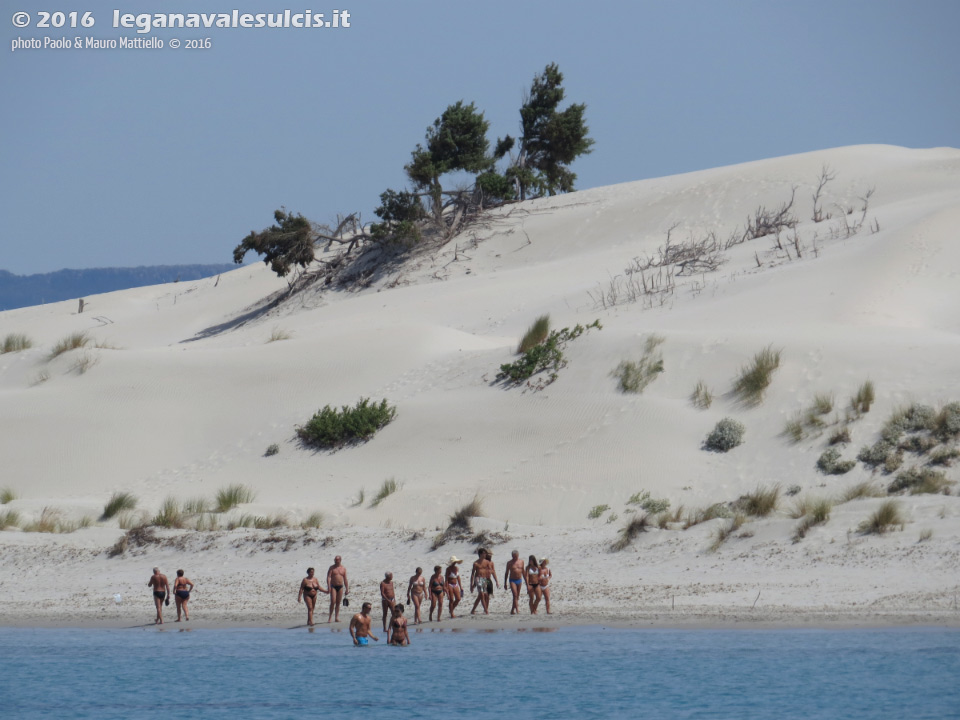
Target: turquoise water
[569,672]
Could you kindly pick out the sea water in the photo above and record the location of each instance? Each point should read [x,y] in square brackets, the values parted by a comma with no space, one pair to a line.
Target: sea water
[583,672]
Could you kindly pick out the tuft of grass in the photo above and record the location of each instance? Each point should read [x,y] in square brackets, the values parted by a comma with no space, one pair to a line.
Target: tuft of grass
[244,520]
[634,376]
[702,515]
[725,530]
[207,522]
[793,429]
[663,521]
[754,379]
[829,463]
[941,456]
[170,515]
[314,520]
[865,397]
[596,511]
[271,450]
[84,363]
[388,488]
[921,481]
[361,496]
[840,437]
[725,436]
[535,334]
[460,525]
[860,490]
[629,532]
[702,396]
[15,342]
[761,502]
[330,428]
[7,494]
[278,334]
[817,513]
[41,377]
[925,535]
[119,502]
[196,506]
[232,495]
[268,522]
[823,403]
[883,519]
[73,341]
[129,521]
[9,518]
[50,521]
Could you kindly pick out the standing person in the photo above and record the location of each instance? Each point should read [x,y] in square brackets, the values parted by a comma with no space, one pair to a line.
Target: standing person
[161,589]
[309,592]
[397,634]
[416,589]
[545,576]
[437,591]
[454,586]
[360,626]
[338,586]
[482,577]
[532,578]
[514,575]
[387,598]
[181,593]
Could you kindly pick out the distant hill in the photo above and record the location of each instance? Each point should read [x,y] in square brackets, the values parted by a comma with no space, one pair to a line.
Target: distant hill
[22,290]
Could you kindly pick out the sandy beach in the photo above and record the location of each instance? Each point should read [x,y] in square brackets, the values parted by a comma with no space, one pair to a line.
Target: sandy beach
[182,387]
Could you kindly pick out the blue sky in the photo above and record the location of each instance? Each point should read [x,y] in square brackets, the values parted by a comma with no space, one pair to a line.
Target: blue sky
[139,157]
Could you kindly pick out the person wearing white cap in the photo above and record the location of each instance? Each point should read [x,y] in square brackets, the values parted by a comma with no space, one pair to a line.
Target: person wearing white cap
[454,586]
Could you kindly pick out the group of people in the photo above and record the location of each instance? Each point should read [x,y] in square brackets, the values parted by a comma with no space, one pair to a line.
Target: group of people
[445,584]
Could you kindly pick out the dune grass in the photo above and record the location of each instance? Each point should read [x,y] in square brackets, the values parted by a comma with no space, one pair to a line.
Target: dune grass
[793,429]
[823,403]
[118,502]
[725,530]
[754,379]
[702,396]
[15,342]
[7,494]
[860,490]
[841,436]
[50,521]
[637,524]
[268,522]
[596,511]
[84,362]
[130,521]
[231,496]
[271,450]
[278,335]
[864,398]
[702,515]
[921,481]
[388,488]
[206,522]
[535,334]
[313,521]
[460,523]
[196,506]
[9,518]
[73,341]
[633,376]
[886,517]
[817,513]
[946,423]
[761,502]
[170,515]
[925,535]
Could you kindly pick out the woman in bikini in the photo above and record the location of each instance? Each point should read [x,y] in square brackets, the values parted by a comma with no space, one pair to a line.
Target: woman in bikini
[397,632]
[309,592]
[437,591]
[416,589]
[545,575]
[181,593]
[454,586]
[532,578]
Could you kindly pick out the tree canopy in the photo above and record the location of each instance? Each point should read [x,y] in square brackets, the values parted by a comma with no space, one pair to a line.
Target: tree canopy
[288,243]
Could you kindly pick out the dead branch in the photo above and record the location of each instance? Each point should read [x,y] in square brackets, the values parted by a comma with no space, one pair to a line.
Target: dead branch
[826,175]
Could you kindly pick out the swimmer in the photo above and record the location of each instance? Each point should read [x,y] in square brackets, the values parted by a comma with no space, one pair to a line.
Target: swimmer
[338,586]
[513,574]
[161,588]
[360,626]
[397,634]
[387,598]
[181,593]
[309,592]
[416,589]
[438,589]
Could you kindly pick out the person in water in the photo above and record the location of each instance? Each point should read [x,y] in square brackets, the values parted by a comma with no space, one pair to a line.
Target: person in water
[161,589]
[397,632]
[338,586]
[360,626]
[513,574]
[416,589]
[454,586]
[532,579]
[181,592]
[387,598]
[309,592]
[438,589]
[545,576]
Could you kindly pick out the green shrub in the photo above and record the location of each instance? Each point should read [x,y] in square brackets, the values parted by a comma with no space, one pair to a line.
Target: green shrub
[917,444]
[118,502]
[941,456]
[883,519]
[634,376]
[636,525]
[754,379]
[725,436]
[876,454]
[840,437]
[71,342]
[15,342]
[7,494]
[653,506]
[946,424]
[702,396]
[388,488]
[830,463]
[761,502]
[536,334]
[892,463]
[232,495]
[596,511]
[920,481]
[271,450]
[864,398]
[331,428]
[547,355]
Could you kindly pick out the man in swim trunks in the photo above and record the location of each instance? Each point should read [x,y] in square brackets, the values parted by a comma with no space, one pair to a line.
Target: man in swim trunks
[339,588]
[161,588]
[309,592]
[387,598]
[514,576]
[397,633]
[482,577]
[360,626]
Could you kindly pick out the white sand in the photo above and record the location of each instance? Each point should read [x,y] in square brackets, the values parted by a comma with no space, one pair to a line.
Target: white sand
[175,409]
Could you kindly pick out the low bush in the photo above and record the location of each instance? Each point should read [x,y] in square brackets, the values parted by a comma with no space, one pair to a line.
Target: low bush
[636,525]
[725,436]
[271,450]
[754,379]
[761,502]
[596,511]
[946,424]
[920,481]
[388,488]
[883,519]
[840,436]
[535,334]
[876,454]
[331,428]
[118,502]
[634,376]
[70,342]
[918,444]
[702,396]
[15,342]
[944,456]
[547,355]
[231,496]
[653,506]
[830,463]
